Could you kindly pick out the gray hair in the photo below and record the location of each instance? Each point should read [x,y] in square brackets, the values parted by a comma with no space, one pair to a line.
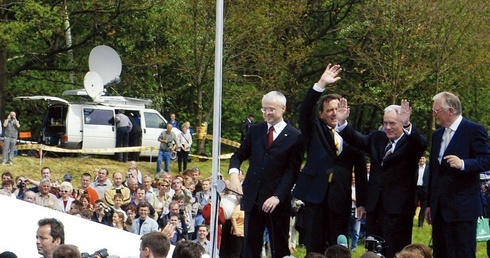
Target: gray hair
[277,96]
[67,185]
[449,100]
[390,108]
[44,180]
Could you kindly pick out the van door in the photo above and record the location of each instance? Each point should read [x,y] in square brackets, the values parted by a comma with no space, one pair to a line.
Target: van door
[98,127]
[152,125]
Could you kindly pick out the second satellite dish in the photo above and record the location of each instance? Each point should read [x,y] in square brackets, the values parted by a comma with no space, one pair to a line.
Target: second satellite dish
[93,84]
[106,62]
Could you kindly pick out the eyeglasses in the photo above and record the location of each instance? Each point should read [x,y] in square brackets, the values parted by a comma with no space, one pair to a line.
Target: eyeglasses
[64,191]
[175,183]
[268,110]
[164,185]
[435,111]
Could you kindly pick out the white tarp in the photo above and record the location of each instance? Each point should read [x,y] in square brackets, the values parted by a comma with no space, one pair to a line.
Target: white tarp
[18,225]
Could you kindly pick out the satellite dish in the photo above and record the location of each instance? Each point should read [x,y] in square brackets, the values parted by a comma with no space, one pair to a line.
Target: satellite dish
[106,62]
[93,84]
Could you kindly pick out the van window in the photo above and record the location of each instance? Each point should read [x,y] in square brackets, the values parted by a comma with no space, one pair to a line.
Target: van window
[98,116]
[153,120]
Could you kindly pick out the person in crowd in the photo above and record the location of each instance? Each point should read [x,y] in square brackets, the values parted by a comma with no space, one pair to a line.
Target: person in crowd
[86,203]
[6,176]
[85,189]
[202,238]
[337,251]
[167,141]
[246,123]
[118,202]
[8,254]
[173,121]
[66,251]
[196,177]
[118,220]
[10,132]
[50,234]
[64,202]
[133,186]
[140,198]
[460,151]
[21,182]
[102,182]
[150,191]
[228,201]
[202,198]
[133,168]
[237,233]
[46,174]
[124,126]
[296,205]
[135,136]
[131,213]
[275,151]
[324,184]
[394,156]
[188,249]
[75,207]
[7,187]
[30,196]
[102,213]
[117,188]
[178,235]
[162,199]
[206,213]
[174,208]
[144,224]
[422,183]
[184,143]
[154,245]
[355,221]
[179,188]
[420,249]
[44,197]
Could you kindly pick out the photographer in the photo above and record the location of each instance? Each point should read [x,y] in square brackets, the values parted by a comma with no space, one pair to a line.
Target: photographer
[21,187]
[10,132]
[102,213]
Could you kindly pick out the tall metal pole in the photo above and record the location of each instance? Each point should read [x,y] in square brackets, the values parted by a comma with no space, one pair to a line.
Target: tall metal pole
[218,56]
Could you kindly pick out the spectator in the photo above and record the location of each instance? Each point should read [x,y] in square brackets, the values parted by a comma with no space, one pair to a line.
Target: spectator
[85,189]
[355,221]
[76,207]
[7,254]
[237,231]
[337,251]
[10,132]
[6,176]
[228,202]
[202,198]
[133,167]
[188,249]
[21,182]
[150,191]
[163,199]
[50,234]
[154,245]
[419,249]
[202,234]
[30,196]
[85,200]
[179,231]
[66,251]
[167,141]
[46,173]
[135,137]
[45,198]
[7,187]
[422,183]
[184,143]
[144,224]
[118,202]
[67,177]
[117,188]
[65,200]
[102,183]
[131,213]
[196,176]
[102,213]
[178,188]
[133,187]
[124,126]
[246,126]
[174,122]
[118,220]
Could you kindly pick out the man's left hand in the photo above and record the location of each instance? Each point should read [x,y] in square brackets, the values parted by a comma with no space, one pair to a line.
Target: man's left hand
[270,204]
[454,161]
[405,112]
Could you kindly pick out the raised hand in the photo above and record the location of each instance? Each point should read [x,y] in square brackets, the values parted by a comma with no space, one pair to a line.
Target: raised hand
[343,111]
[405,112]
[329,76]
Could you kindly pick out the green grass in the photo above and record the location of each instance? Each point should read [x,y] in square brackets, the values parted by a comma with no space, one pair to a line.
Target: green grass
[30,167]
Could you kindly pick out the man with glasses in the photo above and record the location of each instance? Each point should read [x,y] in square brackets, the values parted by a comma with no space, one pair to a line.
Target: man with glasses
[460,152]
[275,151]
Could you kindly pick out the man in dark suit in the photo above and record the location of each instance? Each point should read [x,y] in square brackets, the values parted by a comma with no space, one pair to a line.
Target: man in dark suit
[325,182]
[394,154]
[246,125]
[275,152]
[460,152]
[421,193]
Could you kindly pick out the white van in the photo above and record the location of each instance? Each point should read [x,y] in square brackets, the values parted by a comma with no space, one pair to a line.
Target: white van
[87,125]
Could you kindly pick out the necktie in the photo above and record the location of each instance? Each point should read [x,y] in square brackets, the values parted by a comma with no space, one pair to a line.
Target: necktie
[336,141]
[270,136]
[388,149]
[447,135]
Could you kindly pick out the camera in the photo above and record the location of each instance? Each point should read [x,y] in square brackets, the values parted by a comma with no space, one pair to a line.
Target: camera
[374,244]
[107,210]
[21,184]
[102,253]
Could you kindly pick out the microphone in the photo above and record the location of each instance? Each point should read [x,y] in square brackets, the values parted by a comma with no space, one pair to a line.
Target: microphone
[342,240]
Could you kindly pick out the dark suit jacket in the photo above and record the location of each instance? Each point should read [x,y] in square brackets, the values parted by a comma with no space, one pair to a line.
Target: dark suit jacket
[245,126]
[425,177]
[391,181]
[322,161]
[455,192]
[272,171]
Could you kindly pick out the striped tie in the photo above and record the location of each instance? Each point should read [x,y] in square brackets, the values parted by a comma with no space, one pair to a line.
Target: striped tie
[388,149]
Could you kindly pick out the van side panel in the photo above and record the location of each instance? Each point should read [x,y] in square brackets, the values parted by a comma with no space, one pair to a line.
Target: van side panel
[73,127]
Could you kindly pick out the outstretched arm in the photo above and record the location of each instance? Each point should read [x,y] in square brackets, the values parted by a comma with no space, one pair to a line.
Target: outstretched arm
[329,76]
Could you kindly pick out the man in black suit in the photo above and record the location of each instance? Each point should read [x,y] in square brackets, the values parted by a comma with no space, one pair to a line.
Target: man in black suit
[246,125]
[275,152]
[325,182]
[394,155]
[460,152]
[421,193]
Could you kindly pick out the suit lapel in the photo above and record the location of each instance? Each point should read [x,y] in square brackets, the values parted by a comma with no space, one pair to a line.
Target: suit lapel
[283,135]
[457,136]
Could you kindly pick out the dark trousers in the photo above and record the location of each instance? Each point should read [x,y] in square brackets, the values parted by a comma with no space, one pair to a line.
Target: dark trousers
[122,140]
[277,224]
[182,157]
[135,140]
[453,239]
[226,240]
[421,196]
[395,229]
[323,226]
